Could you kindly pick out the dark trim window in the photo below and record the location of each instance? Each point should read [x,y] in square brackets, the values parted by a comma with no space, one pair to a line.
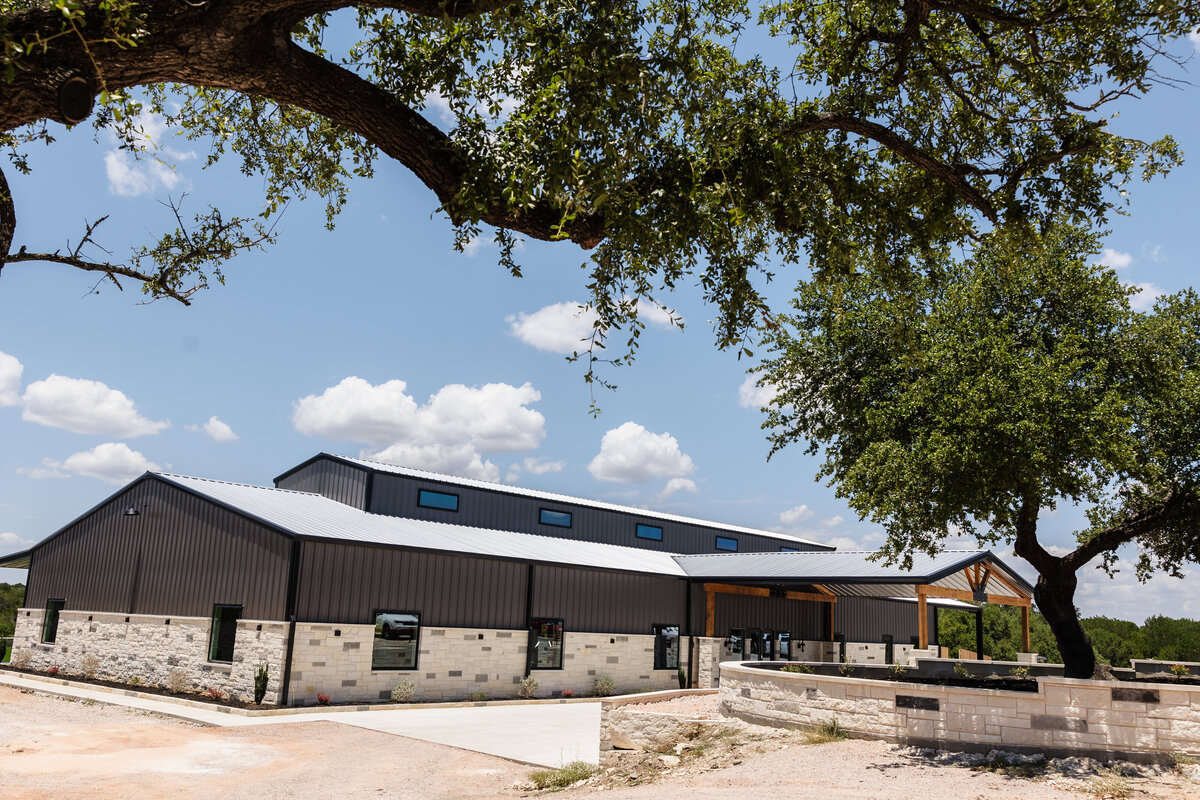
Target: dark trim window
[443,501]
[560,519]
[727,543]
[50,621]
[666,647]
[789,549]
[649,532]
[397,640]
[223,635]
[545,643]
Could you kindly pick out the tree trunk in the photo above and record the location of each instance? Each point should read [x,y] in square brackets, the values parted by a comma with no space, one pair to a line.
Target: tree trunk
[1055,598]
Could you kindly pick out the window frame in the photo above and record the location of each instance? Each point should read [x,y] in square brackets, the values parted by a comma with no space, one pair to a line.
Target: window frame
[214,633]
[531,657]
[719,539]
[46,627]
[416,641]
[658,629]
[785,549]
[570,515]
[421,491]
[638,532]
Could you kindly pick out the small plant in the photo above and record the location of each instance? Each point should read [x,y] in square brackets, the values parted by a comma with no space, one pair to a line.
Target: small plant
[177,681]
[215,693]
[1110,783]
[682,678]
[604,686]
[1180,670]
[960,670]
[21,659]
[135,681]
[403,691]
[52,671]
[826,732]
[803,669]
[898,670]
[564,776]
[477,697]
[261,678]
[527,687]
[1181,760]
[845,668]
[89,665]
[1020,673]
[322,698]
[568,693]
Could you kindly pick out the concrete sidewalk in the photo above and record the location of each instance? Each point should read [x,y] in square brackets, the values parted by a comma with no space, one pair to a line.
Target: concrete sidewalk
[540,734]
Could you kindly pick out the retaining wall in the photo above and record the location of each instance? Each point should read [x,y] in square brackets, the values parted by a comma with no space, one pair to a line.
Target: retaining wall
[624,728]
[1106,720]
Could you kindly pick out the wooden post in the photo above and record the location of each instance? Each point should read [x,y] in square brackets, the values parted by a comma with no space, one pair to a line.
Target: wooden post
[829,621]
[710,611]
[1024,629]
[922,621]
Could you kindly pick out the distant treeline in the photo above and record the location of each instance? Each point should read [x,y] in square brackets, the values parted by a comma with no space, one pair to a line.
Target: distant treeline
[1115,641]
[11,597]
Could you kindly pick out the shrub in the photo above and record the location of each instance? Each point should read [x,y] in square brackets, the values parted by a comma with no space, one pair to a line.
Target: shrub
[682,678]
[261,677]
[135,681]
[1180,671]
[898,670]
[21,659]
[829,731]
[564,776]
[177,681]
[604,686]
[52,670]
[403,691]
[90,665]
[568,693]
[1020,673]
[961,670]
[322,699]
[845,668]
[803,669]
[527,687]
[476,697]
[215,693]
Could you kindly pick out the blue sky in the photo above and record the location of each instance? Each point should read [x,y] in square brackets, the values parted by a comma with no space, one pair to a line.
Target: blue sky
[377,339]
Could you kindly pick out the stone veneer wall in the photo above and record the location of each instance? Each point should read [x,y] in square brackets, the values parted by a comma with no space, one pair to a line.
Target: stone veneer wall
[149,648]
[1102,719]
[453,663]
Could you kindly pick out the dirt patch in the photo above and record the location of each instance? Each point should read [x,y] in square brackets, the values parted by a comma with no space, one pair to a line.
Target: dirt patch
[695,706]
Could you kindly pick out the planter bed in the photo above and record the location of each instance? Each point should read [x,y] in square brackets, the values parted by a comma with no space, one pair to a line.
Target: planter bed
[142,688]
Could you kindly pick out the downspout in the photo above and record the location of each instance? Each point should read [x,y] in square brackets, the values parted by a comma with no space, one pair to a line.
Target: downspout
[529,650]
[290,616]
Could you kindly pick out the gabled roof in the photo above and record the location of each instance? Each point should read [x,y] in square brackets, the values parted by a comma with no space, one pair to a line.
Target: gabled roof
[504,488]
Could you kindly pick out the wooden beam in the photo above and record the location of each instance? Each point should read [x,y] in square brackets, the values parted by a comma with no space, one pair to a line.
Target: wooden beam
[823,590]
[829,619]
[728,588]
[961,594]
[811,597]
[1025,629]
[922,622]
[1009,585]
[987,575]
[710,611]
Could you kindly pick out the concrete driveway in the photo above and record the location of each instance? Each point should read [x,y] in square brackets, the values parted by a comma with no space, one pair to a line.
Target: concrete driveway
[544,734]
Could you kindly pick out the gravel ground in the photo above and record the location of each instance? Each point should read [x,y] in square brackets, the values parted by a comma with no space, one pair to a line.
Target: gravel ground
[693,706]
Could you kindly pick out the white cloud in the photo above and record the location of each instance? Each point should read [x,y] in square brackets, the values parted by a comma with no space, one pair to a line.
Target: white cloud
[676,485]
[111,462]
[654,314]
[130,176]
[539,466]
[756,397]
[216,430]
[632,454]
[1114,259]
[795,515]
[1194,38]
[83,406]
[556,328]
[1124,597]
[1146,295]
[10,379]
[447,434]
[10,542]
[833,521]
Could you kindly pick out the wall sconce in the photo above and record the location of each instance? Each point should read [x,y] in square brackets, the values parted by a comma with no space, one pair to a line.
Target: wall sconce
[134,510]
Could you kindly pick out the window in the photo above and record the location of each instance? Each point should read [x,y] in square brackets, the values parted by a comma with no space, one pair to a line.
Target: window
[224,632]
[50,621]
[397,640]
[725,543]
[545,643]
[785,646]
[666,647]
[649,532]
[789,550]
[440,500]
[561,519]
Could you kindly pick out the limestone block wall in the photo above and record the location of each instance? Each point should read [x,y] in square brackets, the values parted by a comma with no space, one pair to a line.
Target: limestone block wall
[709,652]
[149,648]
[1101,719]
[809,650]
[453,663]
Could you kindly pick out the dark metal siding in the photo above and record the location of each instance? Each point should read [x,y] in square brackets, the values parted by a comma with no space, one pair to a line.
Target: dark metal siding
[592,601]
[396,495]
[803,619]
[347,583]
[333,479]
[865,619]
[178,557]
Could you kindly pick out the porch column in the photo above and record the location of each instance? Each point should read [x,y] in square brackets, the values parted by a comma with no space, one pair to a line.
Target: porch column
[922,621]
[1024,629]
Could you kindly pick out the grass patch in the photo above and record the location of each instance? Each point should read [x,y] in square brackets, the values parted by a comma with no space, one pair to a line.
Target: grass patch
[1011,770]
[825,732]
[1109,783]
[7,654]
[562,777]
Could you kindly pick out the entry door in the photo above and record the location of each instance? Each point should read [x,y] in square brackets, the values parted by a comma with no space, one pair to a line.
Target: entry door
[762,642]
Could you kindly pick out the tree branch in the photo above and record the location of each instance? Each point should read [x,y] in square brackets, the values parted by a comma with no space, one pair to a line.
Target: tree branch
[8,219]
[1177,504]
